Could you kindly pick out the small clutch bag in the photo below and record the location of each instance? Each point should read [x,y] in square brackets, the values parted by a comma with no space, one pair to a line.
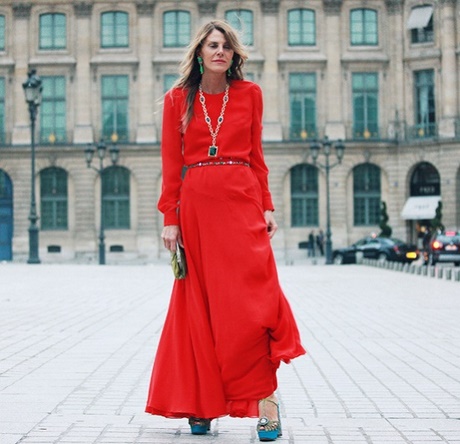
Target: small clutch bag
[178,263]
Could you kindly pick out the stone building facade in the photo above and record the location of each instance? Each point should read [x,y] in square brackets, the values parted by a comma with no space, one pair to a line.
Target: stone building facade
[380,75]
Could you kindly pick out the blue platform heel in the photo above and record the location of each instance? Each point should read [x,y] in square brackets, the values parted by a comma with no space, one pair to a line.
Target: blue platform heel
[269,429]
[199,426]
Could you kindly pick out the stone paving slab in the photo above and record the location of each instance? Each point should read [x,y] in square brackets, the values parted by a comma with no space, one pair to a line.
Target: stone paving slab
[77,345]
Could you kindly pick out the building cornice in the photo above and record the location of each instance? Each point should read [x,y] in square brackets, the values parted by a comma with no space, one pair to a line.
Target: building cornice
[270,6]
[22,10]
[83,9]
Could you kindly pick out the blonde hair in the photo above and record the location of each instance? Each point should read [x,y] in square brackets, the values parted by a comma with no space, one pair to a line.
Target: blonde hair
[190,70]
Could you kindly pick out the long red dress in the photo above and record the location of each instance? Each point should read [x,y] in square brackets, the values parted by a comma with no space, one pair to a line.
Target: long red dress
[229,324]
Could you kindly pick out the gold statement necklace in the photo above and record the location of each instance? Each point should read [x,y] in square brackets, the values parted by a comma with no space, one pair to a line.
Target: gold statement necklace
[213,148]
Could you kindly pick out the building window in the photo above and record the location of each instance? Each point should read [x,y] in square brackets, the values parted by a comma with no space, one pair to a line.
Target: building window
[425,181]
[115,198]
[425,117]
[302,100]
[304,196]
[114,29]
[168,81]
[364,27]
[53,110]
[365,105]
[176,29]
[53,199]
[420,24]
[53,31]
[115,100]
[301,27]
[366,194]
[2,33]
[242,20]
[2,111]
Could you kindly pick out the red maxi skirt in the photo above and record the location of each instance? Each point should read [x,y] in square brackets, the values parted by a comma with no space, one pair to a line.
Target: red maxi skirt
[229,324]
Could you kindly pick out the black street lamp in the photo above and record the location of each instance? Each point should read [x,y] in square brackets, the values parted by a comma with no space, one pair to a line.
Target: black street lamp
[101,149]
[33,93]
[315,148]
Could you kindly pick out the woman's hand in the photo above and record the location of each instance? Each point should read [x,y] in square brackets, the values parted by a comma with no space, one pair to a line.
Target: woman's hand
[171,236]
[271,223]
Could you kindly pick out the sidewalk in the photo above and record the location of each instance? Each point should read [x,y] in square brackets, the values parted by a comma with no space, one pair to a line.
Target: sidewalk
[77,344]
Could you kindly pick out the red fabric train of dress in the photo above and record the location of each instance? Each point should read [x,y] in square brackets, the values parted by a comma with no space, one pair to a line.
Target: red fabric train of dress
[229,324]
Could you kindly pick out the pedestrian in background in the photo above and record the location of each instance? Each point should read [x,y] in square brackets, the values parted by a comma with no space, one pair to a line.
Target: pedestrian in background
[311,244]
[320,242]
[229,325]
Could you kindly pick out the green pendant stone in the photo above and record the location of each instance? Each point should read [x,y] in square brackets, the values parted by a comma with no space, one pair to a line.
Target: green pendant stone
[212,151]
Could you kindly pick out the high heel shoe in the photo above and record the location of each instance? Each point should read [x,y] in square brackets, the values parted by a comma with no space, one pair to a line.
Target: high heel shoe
[199,426]
[269,429]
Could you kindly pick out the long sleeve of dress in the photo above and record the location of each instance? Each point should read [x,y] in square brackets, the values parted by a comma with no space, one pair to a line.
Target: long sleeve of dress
[172,157]
[256,157]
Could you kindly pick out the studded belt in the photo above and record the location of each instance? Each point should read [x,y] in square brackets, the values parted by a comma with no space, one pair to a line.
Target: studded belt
[219,161]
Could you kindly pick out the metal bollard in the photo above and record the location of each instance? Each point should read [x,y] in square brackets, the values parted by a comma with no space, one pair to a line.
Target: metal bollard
[449,274]
[432,272]
[440,273]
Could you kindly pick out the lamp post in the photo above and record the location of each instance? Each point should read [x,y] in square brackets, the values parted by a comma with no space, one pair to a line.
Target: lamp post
[33,93]
[101,149]
[315,148]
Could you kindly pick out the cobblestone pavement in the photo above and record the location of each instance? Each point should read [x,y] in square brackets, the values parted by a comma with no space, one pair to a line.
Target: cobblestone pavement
[77,344]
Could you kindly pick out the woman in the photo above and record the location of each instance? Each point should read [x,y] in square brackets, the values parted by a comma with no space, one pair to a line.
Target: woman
[229,325]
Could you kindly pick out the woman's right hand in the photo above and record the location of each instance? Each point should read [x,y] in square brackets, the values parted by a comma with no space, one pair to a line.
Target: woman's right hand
[171,236]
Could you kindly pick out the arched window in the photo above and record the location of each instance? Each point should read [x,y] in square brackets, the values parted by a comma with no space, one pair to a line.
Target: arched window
[115,197]
[364,27]
[53,31]
[114,29]
[53,199]
[304,196]
[425,181]
[242,20]
[366,194]
[301,27]
[176,29]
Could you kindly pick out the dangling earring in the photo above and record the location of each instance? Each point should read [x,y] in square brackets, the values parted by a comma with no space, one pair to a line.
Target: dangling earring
[200,62]
[229,70]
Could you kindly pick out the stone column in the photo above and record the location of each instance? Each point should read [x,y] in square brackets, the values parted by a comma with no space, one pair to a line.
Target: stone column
[270,74]
[83,128]
[21,26]
[146,132]
[395,77]
[449,75]
[335,128]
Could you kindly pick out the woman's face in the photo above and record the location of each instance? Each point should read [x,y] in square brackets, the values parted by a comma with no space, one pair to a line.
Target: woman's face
[216,53]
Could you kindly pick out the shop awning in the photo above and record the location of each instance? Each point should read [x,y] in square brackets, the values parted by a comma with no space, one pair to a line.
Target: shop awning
[420,17]
[420,207]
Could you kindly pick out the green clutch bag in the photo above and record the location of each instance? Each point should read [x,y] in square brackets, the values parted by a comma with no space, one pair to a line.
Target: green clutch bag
[178,263]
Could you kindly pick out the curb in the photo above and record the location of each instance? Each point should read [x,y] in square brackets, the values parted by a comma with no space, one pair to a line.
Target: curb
[450,274]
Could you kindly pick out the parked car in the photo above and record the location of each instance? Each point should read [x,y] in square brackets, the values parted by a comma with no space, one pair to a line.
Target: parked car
[443,247]
[381,248]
